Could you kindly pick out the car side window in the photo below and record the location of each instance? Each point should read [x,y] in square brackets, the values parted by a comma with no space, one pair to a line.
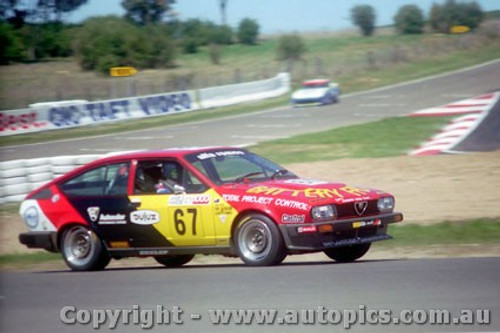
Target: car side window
[165,177]
[106,180]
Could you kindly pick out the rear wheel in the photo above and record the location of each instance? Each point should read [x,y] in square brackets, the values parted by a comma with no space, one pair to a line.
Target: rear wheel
[82,250]
[175,260]
[259,242]
[348,253]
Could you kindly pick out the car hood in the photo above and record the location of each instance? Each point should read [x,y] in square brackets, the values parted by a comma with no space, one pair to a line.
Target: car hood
[309,93]
[309,191]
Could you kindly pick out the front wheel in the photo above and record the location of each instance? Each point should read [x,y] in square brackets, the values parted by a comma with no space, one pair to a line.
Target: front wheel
[82,250]
[258,241]
[175,260]
[348,253]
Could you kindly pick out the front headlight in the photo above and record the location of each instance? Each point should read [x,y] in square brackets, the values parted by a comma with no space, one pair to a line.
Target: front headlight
[326,212]
[385,204]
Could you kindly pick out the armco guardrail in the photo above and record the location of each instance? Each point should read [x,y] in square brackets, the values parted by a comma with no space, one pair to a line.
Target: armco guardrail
[244,92]
[58,115]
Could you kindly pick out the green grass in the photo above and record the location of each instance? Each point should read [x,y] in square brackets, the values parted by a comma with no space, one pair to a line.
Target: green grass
[480,231]
[383,138]
[21,259]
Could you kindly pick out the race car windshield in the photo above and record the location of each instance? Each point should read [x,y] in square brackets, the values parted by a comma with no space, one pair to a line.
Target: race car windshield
[314,85]
[233,166]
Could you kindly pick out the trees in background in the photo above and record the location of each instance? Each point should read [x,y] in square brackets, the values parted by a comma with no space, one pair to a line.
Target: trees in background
[364,17]
[248,31]
[195,33]
[18,12]
[34,30]
[291,47]
[451,13]
[104,42]
[409,20]
[145,12]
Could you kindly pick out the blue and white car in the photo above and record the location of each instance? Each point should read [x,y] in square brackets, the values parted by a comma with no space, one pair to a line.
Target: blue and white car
[316,92]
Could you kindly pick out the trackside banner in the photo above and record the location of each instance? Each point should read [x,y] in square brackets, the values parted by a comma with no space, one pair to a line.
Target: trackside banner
[67,114]
[47,116]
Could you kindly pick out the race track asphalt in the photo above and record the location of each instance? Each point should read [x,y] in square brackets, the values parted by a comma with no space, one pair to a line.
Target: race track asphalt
[283,121]
[32,301]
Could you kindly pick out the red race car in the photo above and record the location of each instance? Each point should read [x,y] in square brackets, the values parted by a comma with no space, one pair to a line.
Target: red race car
[173,204]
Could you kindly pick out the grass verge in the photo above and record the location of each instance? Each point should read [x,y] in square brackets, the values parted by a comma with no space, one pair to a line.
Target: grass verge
[383,138]
[22,259]
[478,231]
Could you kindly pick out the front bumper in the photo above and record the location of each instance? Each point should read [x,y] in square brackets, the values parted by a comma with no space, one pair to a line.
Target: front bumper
[337,233]
[307,102]
[40,240]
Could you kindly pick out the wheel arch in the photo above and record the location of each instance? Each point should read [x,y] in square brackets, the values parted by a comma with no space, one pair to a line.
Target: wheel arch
[68,225]
[242,215]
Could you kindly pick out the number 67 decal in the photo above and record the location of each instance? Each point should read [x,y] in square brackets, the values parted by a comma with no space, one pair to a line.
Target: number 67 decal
[180,218]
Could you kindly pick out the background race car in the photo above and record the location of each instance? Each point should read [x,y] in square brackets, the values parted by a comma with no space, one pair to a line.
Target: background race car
[316,92]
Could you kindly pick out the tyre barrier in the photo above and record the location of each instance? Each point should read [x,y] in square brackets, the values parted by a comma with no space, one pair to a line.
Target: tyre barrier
[19,177]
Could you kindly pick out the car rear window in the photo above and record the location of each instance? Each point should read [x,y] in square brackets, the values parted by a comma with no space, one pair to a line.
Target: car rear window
[106,180]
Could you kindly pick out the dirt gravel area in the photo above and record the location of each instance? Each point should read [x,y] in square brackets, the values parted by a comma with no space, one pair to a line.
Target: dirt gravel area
[427,189]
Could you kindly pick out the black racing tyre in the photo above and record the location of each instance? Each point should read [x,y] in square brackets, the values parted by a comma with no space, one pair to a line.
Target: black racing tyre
[258,241]
[348,253]
[82,249]
[174,260]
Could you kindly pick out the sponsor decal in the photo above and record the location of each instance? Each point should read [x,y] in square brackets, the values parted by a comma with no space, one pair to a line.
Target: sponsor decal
[286,218]
[349,200]
[310,192]
[153,252]
[112,219]
[31,217]
[20,121]
[231,197]
[307,229]
[360,207]
[144,217]
[356,240]
[226,210]
[223,218]
[291,204]
[361,224]
[305,182]
[204,156]
[93,213]
[196,199]
[257,200]
[55,198]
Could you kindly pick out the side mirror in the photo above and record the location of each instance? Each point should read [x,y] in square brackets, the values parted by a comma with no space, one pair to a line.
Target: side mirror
[178,189]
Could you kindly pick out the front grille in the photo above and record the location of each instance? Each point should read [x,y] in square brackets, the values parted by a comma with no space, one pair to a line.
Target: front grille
[346,211]
[355,233]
